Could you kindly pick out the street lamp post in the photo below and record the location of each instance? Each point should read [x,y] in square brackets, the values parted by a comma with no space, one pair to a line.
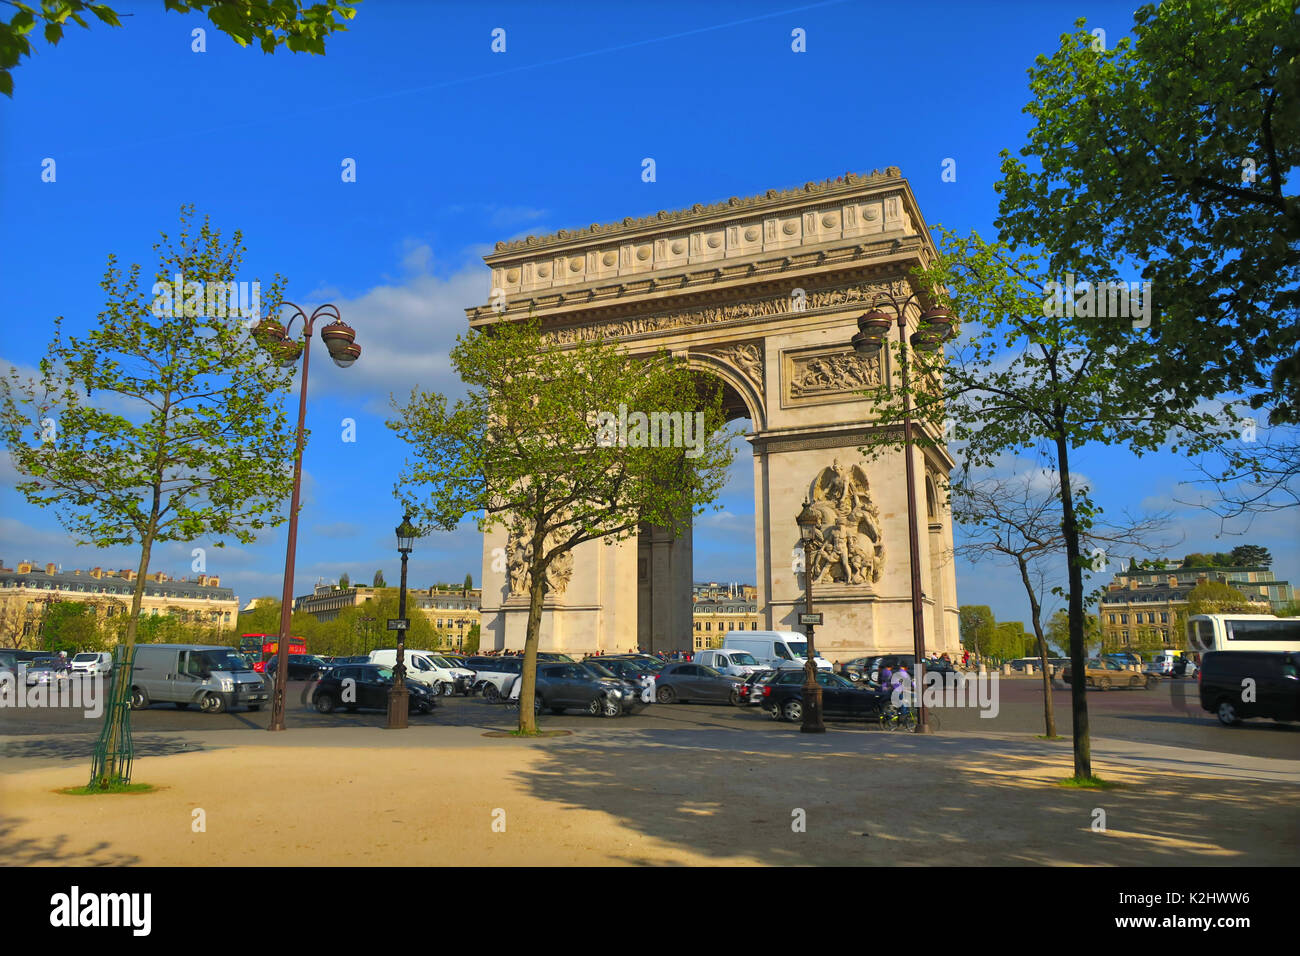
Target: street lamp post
[399,698]
[934,328]
[339,338]
[812,691]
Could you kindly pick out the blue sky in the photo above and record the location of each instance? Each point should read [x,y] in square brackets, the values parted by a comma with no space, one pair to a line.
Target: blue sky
[457,147]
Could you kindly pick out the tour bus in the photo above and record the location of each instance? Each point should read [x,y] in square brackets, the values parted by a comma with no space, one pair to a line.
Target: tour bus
[1242,632]
[266,646]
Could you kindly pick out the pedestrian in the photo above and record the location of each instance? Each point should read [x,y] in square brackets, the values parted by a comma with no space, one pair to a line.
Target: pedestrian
[885,673]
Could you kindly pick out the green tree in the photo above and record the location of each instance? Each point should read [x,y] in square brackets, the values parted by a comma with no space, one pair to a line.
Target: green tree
[531,449]
[378,580]
[69,626]
[1025,376]
[186,436]
[1215,597]
[1173,149]
[471,640]
[269,23]
[975,623]
[1058,634]
[1250,555]
[469,583]
[345,582]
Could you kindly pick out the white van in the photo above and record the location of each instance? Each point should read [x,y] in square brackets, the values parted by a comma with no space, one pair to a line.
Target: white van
[729,660]
[428,668]
[775,648]
[92,662]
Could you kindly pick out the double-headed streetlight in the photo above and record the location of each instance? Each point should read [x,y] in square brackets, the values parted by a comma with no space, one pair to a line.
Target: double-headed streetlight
[934,328]
[809,523]
[399,698]
[339,338]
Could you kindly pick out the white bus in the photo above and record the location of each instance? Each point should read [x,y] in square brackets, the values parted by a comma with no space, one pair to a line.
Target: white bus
[1242,632]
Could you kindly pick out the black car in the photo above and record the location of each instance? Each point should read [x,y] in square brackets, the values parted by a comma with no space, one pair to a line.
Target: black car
[354,686]
[783,697]
[684,681]
[1271,677]
[868,668]
[301,666]
[561,686]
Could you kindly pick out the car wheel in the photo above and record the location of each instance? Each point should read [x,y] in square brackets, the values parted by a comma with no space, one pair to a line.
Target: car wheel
[538,705]
[611,707]
[665,695]
[325,703]
[1227,713]
[595,706]
[1104,683]
[440,689]
[792,710]
[774,712]
[212,704]
[1139,682]
[490,692]
[181,705]
[735,698]
[139,699]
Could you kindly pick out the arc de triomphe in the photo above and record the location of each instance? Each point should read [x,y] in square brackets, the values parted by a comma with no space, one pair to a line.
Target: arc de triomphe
[763,294]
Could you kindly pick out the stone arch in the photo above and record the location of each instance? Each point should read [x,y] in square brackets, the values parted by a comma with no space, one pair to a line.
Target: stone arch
[754,399]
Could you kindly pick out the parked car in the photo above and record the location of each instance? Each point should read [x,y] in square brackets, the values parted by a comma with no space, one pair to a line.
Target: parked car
[1124,658]
[561,686]
[751,692]
[872,666]
[685,681]
[356,686]
[632,671]
[301,666]
[735,663]
[1185,667]
[436,673]
[782,697]
[1105,673]
[1224,679]
[214,678]
[92,662]
[41,672]
[493,675]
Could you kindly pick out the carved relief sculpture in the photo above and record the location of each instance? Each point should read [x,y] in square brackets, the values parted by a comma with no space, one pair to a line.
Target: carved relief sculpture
[842,372]
[746,359]
[846,546]
[519,554]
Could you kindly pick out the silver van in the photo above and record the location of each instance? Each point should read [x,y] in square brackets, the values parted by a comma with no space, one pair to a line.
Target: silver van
[212,677]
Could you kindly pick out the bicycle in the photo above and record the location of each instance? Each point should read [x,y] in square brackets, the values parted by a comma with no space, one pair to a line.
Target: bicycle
[895,718]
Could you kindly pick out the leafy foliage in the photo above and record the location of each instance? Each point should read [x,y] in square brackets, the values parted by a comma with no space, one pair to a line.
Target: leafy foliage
[1176,150]
[269,23]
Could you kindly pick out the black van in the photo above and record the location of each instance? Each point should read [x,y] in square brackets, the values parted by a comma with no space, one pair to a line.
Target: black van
[1276,689]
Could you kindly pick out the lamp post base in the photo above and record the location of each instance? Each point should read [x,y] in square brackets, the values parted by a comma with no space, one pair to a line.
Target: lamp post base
[812,700]
[399,700]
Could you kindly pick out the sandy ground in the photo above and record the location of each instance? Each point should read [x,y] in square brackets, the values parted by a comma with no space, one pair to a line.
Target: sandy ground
[445,795]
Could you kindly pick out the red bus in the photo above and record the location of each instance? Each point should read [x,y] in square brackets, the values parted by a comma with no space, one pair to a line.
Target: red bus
[266,646]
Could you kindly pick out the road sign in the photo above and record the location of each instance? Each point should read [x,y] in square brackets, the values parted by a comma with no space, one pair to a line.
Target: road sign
[814,618]
[399,623]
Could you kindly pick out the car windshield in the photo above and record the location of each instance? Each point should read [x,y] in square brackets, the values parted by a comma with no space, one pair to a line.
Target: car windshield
[222,661]
[798,648]
[441,662]
[743,658]
[384,674]
[86,657]
[600,670]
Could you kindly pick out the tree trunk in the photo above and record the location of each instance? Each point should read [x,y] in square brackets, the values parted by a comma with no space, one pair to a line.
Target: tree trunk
[1035,612]
[1078,681]
[528,692]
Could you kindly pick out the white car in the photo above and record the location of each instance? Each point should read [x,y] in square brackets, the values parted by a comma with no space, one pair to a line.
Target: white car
[93,662]
[730,661]
[436,673]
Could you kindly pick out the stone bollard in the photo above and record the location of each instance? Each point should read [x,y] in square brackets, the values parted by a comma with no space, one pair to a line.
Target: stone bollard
[1006,670]
[1029,670]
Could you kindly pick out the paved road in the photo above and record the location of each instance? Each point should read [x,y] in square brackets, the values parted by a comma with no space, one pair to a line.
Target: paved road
[1168,715]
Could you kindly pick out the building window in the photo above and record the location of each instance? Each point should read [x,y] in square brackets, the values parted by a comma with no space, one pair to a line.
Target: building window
[1164,619]
[1123,619]
[1112,618]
